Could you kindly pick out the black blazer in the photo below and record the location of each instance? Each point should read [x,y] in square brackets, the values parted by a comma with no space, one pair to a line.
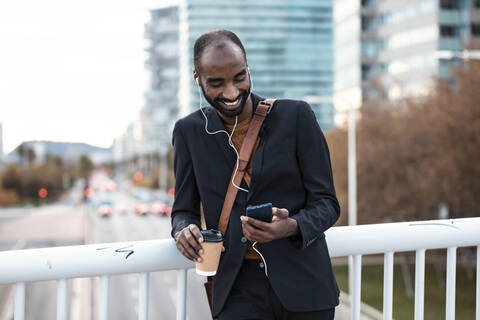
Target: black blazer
[291,169]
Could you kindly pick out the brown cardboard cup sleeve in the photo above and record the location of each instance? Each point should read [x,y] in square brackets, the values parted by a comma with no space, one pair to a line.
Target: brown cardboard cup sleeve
[212,249]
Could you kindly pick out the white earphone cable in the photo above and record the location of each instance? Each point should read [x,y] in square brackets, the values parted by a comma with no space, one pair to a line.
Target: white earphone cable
[230,142]
[263,259]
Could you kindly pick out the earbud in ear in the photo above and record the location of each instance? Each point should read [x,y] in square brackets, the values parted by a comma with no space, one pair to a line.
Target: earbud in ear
[197,82]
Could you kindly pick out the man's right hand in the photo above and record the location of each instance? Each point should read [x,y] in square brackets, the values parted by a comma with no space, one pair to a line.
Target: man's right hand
[188,242]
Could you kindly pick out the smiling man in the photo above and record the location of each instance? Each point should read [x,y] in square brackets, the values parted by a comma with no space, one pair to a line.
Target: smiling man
[290,168]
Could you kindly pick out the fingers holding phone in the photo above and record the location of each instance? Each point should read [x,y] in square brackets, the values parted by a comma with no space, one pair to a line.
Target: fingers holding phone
[279,214]
[265,223]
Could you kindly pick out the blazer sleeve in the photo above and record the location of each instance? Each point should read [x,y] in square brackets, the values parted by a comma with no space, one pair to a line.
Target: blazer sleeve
[186,206]
[322,209]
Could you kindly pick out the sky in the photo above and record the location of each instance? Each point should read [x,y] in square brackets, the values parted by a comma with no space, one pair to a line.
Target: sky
[71,70]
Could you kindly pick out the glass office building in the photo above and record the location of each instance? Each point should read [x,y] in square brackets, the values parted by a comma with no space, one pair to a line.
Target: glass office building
[289,46]
[160,111]
[396,46]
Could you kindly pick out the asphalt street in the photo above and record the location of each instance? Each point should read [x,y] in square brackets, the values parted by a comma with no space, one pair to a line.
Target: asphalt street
[123,299]
[27,228]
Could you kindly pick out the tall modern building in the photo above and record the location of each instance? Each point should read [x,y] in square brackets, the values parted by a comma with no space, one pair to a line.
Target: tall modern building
[161,99]
[397,47]
[289,45]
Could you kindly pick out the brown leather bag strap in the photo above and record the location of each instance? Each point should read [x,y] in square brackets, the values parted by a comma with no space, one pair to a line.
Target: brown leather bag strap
[248,143]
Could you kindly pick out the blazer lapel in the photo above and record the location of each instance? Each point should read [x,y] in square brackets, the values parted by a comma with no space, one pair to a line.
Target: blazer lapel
[215,124]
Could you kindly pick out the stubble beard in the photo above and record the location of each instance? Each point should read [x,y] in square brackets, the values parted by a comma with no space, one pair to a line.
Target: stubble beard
[228,113]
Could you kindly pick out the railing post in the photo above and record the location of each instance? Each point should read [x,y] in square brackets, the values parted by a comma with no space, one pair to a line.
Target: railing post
[103,303]
[388,286]
[19,312]
[357,286]
[477,304]
[350,278]
[143,296]
[62,300]
[182,294]
[451,274]
[419,283]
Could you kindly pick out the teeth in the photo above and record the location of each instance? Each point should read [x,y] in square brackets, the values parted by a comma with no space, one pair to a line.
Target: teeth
[231,103]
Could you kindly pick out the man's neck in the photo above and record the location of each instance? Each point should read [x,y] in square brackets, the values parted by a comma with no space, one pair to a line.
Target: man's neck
[247,112]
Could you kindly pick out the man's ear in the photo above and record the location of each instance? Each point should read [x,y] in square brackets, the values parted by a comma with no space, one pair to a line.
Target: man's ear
[196,77]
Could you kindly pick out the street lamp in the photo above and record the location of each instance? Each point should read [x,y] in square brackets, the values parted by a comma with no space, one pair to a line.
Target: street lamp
[351,111]
[352,192]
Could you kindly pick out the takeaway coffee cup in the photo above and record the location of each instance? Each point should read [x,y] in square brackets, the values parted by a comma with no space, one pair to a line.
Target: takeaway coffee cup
[212,248]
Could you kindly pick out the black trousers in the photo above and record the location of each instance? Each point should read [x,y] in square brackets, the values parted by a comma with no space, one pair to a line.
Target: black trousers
[252,298]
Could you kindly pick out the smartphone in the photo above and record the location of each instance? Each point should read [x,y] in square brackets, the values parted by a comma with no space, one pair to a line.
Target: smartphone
[261,212]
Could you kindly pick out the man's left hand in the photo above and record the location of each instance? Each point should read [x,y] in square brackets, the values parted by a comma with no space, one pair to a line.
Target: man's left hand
[281,227]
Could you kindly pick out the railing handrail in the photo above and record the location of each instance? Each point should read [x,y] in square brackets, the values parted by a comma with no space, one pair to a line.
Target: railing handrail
[156,255]
[403,236]
[90,260]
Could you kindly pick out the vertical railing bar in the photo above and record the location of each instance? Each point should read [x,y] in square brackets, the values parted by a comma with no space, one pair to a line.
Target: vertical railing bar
[143,296]
[388,286]
[350,279]
[19,309]
[182,294]
[419,283]
[103,303]
[451,274]
[62,293]
[477,304]
[357,282]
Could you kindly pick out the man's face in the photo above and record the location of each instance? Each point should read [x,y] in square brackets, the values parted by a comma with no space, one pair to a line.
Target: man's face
[224,79]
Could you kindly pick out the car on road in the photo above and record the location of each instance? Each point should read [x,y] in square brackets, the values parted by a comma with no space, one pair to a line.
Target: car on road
[168,212]
[105,209]
[141,208]
[161,208]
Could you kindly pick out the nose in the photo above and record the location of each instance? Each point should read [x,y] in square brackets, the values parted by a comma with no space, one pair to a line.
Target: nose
[231,92]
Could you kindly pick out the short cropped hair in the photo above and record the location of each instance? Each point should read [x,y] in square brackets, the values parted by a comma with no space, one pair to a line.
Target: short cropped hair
[214,36]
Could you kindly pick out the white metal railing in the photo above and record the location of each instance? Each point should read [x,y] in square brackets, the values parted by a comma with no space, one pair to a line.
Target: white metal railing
[62,263]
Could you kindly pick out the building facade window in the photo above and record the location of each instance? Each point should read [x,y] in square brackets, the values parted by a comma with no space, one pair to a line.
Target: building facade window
[449,4]
[475,29]
[369,48]
[368,3]
[368,72]
[448,31]
[368,24]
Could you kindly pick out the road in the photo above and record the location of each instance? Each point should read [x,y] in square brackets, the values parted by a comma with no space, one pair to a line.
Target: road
[123,297]
[26,228]
[71,223]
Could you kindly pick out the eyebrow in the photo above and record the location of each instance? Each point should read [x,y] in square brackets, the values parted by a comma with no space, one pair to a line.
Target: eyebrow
[241,73]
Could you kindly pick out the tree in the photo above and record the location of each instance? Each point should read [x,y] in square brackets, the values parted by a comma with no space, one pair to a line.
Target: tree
[415,154]
[85,166]
[12,178]
[337,141]
[21,151]
[30,156]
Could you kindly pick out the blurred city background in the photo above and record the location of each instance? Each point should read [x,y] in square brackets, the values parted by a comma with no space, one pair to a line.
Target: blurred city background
[89,96]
